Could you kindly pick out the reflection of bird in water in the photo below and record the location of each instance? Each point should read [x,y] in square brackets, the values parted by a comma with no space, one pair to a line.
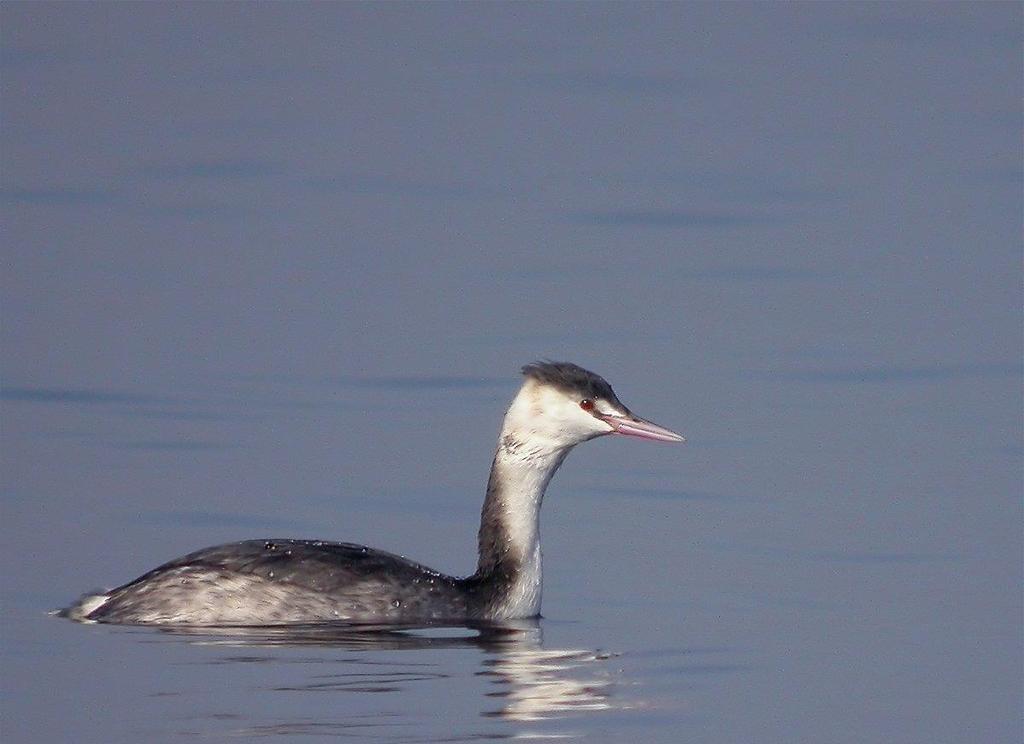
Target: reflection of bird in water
[532,683]
[488,636]
[549,683]
[275,582]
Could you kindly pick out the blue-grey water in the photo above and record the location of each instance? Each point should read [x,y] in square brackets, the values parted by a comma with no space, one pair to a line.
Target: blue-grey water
[269,270]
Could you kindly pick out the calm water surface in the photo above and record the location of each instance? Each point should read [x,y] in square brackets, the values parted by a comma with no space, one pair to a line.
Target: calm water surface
[270,271]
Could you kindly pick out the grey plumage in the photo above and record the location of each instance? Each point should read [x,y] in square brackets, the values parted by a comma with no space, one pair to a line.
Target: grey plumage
[273,582]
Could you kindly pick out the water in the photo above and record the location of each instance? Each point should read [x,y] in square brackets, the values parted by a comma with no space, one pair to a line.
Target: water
[269,271]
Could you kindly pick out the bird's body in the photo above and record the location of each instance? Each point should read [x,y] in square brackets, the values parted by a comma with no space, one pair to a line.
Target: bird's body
[281,582]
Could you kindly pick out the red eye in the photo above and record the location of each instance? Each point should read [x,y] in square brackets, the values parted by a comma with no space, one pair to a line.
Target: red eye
[587,404]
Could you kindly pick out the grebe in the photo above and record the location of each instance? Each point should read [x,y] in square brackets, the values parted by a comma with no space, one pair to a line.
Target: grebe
[282,582]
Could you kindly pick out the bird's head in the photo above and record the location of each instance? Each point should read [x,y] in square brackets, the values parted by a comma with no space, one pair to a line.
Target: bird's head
[561,405]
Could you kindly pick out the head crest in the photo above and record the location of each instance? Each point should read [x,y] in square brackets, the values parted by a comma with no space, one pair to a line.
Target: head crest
[572,379]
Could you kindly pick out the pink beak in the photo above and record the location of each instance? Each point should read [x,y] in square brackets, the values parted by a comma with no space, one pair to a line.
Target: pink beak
[635,426]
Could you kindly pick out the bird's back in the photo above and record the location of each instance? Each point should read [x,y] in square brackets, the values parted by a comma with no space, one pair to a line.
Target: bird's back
[274,582]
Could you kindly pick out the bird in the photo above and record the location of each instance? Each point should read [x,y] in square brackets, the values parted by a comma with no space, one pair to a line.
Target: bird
[271,582]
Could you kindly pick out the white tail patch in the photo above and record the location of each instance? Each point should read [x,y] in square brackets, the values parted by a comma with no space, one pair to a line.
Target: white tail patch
[85,606]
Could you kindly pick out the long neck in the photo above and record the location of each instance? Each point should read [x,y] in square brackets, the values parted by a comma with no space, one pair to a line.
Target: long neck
[510,558]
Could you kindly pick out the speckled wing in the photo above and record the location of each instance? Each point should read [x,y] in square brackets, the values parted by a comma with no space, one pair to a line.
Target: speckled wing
[313,564]
[272,582]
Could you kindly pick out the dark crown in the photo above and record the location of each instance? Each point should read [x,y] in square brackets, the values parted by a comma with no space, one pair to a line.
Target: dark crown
[572,379]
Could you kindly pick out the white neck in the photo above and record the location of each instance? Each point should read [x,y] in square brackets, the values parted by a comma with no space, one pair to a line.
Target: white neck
[510,523]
